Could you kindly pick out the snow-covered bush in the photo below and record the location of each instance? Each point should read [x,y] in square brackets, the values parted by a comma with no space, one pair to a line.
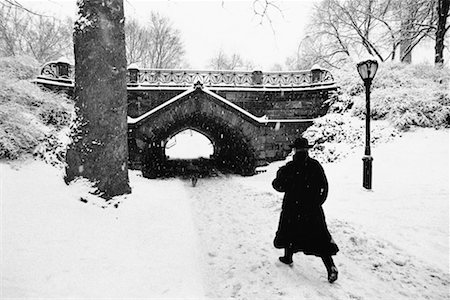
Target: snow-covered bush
[29,116]
[410,95]
[402,96]
[339,102]
[53,147]
[350,85]
[335,135]
[20,131]
[406,95]
[19,67]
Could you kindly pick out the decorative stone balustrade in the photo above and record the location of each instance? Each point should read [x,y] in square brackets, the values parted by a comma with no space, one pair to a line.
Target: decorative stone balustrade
[64,72]
[57,70]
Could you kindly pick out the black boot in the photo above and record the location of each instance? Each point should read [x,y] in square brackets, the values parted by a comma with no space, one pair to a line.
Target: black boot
[331,268]
[287,258]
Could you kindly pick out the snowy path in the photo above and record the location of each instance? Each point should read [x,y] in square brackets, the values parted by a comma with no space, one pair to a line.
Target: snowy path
[56,246]
[393,240]
[237,226]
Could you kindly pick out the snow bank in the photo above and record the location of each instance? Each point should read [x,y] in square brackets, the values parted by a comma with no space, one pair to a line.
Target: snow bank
[29,116]
[56,246]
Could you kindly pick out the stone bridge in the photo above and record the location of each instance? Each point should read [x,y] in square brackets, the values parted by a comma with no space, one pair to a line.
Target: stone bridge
[250,117]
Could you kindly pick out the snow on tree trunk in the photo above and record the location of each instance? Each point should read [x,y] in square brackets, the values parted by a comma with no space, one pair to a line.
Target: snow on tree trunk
[99,149]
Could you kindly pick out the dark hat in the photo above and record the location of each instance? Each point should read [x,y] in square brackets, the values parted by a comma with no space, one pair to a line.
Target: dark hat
[301,143]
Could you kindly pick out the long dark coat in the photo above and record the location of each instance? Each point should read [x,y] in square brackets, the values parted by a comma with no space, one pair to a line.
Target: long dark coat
[302,225]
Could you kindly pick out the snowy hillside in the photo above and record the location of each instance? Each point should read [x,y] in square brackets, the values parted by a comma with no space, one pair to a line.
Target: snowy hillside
[171,240]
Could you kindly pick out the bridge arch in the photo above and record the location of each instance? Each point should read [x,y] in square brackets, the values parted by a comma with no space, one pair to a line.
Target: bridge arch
[230,132]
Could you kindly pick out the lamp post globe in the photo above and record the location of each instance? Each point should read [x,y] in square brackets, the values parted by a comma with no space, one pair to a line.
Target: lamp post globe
[367,70]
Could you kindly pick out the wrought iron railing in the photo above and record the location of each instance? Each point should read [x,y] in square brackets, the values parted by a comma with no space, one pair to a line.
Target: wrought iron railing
[62,71]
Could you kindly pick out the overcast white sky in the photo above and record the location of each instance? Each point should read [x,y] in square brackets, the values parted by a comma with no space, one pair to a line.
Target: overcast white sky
[209,26]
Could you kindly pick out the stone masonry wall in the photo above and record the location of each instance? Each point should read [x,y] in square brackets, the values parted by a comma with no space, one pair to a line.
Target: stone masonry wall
[273,104]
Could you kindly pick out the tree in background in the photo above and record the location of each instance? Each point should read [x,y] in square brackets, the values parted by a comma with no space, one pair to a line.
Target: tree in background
[136,42]
[313,51]
[277,67]
[157,45]
[416,19]
[441,30]
[382,28]
[221,61]
[49,39]
[26,33]
[12,26]
[99,149]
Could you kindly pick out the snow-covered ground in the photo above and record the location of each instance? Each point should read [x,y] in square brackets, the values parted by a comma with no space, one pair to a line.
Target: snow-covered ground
[171,240]
[56,246]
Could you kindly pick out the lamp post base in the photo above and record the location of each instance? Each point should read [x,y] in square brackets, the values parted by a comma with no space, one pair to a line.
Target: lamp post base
[367,171]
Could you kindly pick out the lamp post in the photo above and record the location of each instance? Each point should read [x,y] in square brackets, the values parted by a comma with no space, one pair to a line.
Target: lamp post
[367,70]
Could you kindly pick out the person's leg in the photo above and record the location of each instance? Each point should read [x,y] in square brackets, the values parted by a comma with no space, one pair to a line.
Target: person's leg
[194,180]
[287,258]
[331,268]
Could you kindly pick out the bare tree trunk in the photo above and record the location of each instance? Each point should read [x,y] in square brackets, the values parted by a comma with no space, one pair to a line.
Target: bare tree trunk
[99,149]
[443,7]
[406,31]
[405,54]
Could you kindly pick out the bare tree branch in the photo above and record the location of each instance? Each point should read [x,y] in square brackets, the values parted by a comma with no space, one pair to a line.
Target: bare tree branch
[40,37]
[343,28]
[157,45]
[17,4]
[222,61]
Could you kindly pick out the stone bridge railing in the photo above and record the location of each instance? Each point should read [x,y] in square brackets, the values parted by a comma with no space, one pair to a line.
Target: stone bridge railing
[63,72]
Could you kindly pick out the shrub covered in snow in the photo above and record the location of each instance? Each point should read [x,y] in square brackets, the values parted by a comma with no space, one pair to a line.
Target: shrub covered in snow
[405,95]
[29,116]
[19,67]
[53,147]
[336,135]
[402,96]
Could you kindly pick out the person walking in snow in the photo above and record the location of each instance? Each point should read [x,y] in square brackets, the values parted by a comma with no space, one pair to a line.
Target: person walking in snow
[193,172]
[302,226]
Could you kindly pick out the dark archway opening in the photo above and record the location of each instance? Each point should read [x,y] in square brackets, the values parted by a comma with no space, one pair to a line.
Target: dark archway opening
[233,152]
